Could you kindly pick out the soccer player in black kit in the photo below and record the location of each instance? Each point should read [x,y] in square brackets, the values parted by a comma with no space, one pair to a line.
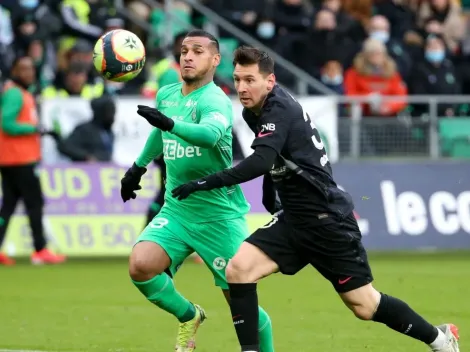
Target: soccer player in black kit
[316,224]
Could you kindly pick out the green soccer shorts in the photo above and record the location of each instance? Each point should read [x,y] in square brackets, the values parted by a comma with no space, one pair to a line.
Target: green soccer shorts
[215,242]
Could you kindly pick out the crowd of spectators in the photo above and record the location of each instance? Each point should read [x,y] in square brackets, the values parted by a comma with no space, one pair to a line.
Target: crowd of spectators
[354,47]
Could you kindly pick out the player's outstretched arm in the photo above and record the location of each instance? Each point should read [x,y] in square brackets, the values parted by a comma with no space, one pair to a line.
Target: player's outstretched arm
[257,164]
[153,148]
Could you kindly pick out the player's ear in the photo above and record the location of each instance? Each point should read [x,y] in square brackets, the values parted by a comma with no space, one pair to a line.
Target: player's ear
[271,79]
[216,60]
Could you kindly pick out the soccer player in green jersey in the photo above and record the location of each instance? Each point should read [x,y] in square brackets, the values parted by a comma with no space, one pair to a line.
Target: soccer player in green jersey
[193,123]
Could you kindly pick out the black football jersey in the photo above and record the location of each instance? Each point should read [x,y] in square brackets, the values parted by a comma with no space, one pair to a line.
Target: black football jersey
[284,126]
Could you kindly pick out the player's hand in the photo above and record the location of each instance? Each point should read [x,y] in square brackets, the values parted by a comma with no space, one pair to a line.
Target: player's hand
[130,182]
[155,118]
[183,191]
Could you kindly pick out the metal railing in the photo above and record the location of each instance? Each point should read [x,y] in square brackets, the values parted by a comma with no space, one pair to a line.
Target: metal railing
[402,136]
[303,78]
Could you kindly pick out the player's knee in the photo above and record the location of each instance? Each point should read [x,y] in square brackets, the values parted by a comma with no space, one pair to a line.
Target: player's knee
[363,312]
[239,271]
[362,302]
[147,261]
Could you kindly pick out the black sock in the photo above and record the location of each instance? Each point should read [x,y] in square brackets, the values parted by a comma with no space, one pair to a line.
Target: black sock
[244,307]
[397,315]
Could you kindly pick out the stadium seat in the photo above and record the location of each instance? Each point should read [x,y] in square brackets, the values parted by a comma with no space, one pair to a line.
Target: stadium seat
[227,47]
[180,21]
[455,137]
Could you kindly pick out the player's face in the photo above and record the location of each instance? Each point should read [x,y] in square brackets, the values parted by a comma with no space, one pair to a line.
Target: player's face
[252,86]
[198,59]
[25,71]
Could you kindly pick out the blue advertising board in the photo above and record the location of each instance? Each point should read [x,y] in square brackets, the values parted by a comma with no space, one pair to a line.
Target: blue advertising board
[405,206]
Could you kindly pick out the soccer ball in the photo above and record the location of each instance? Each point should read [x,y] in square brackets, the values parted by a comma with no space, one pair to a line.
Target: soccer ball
[119,55]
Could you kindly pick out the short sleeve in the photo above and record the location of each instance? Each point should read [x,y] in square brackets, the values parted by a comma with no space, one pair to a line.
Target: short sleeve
[216,113]
[274,129]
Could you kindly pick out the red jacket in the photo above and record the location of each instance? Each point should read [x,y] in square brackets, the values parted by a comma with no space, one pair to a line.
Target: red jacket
[359,81]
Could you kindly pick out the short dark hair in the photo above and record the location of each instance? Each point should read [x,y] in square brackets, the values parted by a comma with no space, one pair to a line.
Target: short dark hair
[204,34]
[20,56]
[247,55]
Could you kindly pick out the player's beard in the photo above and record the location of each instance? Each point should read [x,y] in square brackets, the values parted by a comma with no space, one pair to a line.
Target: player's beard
[197,77]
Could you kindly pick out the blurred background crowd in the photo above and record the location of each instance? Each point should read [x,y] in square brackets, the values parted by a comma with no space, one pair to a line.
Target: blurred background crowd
[411,46]
[369,48]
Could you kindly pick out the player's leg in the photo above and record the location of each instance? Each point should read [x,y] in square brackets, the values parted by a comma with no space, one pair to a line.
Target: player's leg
[9,202]
[341,258]
[265,329]
[216,243]
[266,251]
[33,199]
[159,252]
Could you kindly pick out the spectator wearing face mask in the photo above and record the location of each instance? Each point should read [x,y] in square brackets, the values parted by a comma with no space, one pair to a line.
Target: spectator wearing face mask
[332,76]
[398,13]
[92,140]
[435,75]
[379,29]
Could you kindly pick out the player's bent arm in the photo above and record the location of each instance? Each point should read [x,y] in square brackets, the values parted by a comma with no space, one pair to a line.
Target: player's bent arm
[269,199]
[199,135]
[214,115]
[153,148]
[257,164]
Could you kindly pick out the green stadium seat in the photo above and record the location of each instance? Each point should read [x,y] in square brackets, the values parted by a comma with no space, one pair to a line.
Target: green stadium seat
[455,137]
[227,47]
[180,22]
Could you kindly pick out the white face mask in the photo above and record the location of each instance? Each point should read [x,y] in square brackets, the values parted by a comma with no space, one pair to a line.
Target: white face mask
[29,4]
[335,80]
[266,30]
[382,36]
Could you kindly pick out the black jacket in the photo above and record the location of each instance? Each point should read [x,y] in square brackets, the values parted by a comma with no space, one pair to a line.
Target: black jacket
[88,140]
[429,79]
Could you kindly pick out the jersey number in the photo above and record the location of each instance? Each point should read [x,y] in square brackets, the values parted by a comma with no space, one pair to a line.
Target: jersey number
[158,223]
[317,142]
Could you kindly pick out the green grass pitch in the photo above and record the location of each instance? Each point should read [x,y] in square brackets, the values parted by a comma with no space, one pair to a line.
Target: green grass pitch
[91,305]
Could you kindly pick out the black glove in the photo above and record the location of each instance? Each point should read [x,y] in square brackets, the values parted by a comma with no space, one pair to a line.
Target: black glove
[130,182]
[155,118]
[183,191]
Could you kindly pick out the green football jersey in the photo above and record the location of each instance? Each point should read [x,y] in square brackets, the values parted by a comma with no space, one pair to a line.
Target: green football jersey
[208,106]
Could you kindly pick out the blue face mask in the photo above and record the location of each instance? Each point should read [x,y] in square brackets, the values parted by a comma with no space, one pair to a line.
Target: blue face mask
[382,36]
[266,30]
[435,56]
[334,81]
[29,4]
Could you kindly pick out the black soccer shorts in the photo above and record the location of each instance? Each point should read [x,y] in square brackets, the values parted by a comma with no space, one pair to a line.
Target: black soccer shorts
[335,250]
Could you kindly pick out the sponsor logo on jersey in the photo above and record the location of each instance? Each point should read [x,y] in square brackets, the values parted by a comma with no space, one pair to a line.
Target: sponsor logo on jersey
[168,103]
[266,130]
[173,150]
[190,103]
